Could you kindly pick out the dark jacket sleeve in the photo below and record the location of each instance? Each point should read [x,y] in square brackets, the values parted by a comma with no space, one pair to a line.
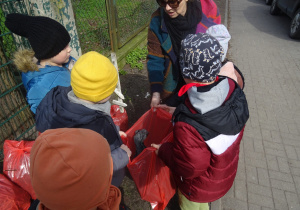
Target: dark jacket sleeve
[188,156]
[174,100]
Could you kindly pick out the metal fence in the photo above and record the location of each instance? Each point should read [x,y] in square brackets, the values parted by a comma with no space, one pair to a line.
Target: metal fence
[105,25]
[102,25]
[92,25]
[132,17]
[16,119]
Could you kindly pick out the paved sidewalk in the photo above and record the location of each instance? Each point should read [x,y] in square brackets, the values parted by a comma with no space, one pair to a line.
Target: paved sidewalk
[269,168]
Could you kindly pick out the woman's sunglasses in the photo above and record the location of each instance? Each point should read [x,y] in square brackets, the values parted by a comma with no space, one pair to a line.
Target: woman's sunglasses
[172,3]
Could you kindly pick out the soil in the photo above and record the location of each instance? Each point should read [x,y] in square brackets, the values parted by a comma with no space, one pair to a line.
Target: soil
[136,89]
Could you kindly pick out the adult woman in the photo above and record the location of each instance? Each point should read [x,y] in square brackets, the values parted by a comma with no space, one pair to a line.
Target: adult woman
[169,25]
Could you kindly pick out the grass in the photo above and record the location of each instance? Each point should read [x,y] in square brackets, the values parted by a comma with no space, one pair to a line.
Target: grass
[92,25]
[135,12]
[122,72]
[136,57]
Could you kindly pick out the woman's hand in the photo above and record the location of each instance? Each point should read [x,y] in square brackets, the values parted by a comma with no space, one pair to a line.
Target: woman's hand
[126,149]
[155,99]
[157,146]
[167,108]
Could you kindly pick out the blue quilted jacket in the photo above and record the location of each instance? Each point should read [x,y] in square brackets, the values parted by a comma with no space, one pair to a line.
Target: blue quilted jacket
[39,83]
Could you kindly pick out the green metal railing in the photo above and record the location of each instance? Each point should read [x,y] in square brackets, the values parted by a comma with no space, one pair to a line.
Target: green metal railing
[16,119]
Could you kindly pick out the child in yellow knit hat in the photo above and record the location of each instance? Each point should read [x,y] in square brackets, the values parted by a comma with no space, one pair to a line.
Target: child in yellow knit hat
[86,105]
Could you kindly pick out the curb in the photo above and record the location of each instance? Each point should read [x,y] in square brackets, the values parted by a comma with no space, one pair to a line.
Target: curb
[226,15]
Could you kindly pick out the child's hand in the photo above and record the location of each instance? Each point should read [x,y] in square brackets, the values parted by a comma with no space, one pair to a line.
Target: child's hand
[126,149]
[122,133]
[169,109]
[157,146]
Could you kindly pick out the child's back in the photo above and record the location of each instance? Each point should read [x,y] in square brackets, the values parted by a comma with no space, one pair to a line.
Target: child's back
[69,173]
[208,125]
[85,105]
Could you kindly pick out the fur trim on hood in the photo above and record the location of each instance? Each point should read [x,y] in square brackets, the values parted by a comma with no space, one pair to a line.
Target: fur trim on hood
[25,60]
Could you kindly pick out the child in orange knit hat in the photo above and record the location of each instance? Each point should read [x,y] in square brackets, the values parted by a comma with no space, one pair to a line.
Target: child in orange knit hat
[69,173]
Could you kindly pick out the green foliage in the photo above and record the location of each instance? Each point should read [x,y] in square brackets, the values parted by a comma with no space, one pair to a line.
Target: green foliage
[92,25]
[122,72]
[136,57]
[7,44]
[127,98]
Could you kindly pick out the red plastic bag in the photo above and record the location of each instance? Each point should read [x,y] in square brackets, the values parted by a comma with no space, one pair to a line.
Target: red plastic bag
[151,176]
[16,163]
[158,123]
[12,197]
[120,119]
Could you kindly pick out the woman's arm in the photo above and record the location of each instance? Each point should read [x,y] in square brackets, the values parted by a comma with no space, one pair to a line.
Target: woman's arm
[155,63]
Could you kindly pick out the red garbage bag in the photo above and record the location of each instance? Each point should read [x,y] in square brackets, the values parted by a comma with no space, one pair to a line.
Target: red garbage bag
[120,119]
[152,177]
[16,163]
[158,123]
[12,197]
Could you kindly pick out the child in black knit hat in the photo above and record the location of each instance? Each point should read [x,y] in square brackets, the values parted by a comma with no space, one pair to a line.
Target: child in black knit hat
[49,63]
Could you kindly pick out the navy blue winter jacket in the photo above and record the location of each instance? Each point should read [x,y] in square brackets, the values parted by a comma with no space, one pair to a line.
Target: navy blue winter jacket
[56,111]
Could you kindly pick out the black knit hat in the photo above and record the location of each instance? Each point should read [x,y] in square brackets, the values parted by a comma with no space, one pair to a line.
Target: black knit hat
[46,36]
[200,57]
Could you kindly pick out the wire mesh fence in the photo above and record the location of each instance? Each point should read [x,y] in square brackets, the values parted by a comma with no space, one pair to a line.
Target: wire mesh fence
[16,119]
[132,17]
[101,24]
[127,18]
[92,25]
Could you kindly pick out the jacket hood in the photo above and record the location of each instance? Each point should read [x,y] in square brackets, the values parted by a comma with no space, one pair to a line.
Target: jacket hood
[56,111]
[25,60]
[43,70]
[229,119]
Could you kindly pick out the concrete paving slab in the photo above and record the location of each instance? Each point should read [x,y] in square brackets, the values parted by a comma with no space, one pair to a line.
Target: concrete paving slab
[269,168]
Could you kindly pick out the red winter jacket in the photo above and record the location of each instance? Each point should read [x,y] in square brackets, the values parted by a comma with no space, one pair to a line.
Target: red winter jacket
[205,152]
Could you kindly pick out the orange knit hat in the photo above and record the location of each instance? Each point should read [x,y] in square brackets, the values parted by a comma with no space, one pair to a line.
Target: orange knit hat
[71,168]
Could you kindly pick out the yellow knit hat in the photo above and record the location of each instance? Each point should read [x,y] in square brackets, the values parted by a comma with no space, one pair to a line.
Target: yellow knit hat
[93,77]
